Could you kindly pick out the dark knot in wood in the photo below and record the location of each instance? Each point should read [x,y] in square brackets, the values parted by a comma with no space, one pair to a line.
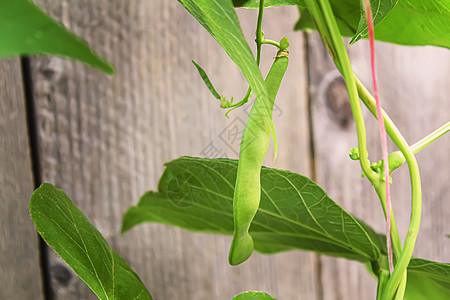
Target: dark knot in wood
[338,104]
[61,274]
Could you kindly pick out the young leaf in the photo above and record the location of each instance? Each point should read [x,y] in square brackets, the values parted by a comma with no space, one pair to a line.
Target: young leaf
[250,295]
[380,9]
[412,22]
[64,227]
[295,213]
[26,29]
[206,80]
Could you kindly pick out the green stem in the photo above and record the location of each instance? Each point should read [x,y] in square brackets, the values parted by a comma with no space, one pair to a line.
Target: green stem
[396,243]
[259,42]
[326,36]
[347,71]
[240,103]
[270,42]
[401,288]
[383,277]
[318,19]
[416,201]
[430,138]
[396,159]
[259,33]
[339,56]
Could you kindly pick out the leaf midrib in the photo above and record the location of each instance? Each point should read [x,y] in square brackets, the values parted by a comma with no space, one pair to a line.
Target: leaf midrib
[71,219]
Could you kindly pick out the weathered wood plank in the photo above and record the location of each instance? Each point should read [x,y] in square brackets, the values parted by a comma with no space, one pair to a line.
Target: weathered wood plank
[408,77]
[20,274]
[104,140]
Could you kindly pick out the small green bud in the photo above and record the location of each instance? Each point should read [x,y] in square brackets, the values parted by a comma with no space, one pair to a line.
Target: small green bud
[396,159]
[224,103]
[261,36]
[376,166]
[284,43]
[354,153]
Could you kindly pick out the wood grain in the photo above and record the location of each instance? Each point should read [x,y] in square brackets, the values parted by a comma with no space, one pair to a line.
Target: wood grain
[105,139]
[414,91]
[20,274]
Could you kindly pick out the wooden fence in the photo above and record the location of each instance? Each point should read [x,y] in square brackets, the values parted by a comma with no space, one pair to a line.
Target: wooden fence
[104,141]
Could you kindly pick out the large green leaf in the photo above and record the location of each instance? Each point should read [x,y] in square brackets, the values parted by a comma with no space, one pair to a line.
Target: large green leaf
[254,4]
[26,29]
[295,213]
[250,295]
[410,22]
[417,22]
[428,280]
[64,227]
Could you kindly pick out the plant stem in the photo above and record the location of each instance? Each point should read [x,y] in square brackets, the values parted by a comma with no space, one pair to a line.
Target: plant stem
[342,62]
[401,288]
[336,48]
[259,41]
[317,15]
[417,147]
[388,211]
[240,103]
[270,42]
[430,138]
[396,243]
[382,280]
[416,201]
[259,33]
[342,57]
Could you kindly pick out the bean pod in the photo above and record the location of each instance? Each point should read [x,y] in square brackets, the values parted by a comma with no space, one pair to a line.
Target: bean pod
[254,145]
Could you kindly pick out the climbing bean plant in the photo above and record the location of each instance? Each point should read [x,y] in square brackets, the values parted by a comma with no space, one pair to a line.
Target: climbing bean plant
[264,209]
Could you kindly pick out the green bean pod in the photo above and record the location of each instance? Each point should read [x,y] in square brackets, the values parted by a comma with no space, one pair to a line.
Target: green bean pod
[254,145]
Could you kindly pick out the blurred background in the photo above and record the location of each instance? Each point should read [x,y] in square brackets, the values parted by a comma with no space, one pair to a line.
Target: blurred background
[104,139]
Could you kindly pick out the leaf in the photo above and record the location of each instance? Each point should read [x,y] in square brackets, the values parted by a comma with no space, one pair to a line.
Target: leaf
[417,22]
[64,227]
[295,213]
[250,295]
[206,80]
[412,22]
[380,9]
[25,29]
[254,4]
[427,280]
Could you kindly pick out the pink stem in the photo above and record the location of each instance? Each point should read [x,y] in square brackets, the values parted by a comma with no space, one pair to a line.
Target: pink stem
[382,133]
